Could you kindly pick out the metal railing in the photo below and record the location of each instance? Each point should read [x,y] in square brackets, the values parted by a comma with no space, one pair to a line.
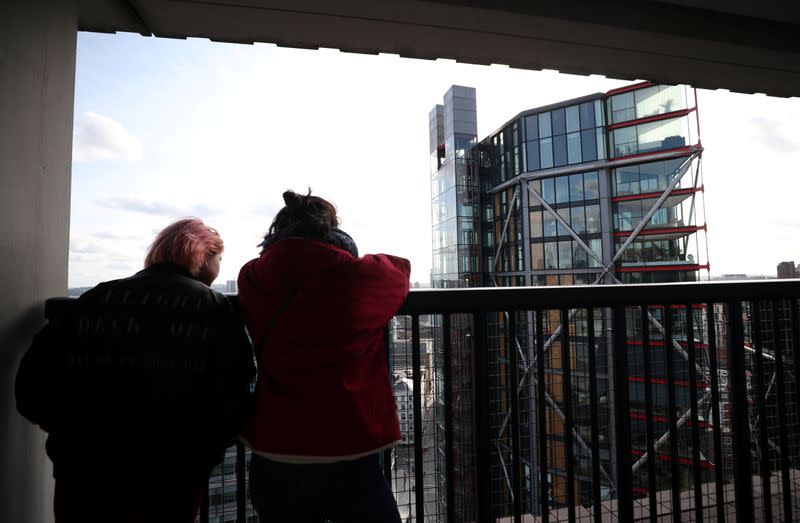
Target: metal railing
[598,403]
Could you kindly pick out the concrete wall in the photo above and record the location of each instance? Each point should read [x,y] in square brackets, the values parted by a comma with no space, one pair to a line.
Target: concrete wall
[37,83]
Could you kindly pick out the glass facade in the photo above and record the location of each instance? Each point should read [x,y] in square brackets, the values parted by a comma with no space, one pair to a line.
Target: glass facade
[565,136]
[553,198]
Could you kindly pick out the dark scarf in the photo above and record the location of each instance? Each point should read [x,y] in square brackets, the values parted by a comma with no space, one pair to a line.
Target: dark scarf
[336,237]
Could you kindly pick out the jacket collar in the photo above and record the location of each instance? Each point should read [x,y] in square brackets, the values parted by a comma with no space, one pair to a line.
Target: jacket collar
[168,267]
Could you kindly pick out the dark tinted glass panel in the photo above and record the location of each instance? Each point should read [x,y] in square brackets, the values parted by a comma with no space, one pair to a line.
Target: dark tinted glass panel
[573,120]
[588,146]
[580,258]
[544,125]
[562,189]
[577,220]
[587,115]
[576,187]
[549,191]
[560,150]
[590,185]
[559,122]
[533,155]
[574,148]
[531,127]
[546,152]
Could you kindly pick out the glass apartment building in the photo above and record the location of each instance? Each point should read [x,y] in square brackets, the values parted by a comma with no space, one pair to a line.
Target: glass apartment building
[600,190]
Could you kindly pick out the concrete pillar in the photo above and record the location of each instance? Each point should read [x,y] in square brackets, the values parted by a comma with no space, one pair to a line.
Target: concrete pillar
[37,84]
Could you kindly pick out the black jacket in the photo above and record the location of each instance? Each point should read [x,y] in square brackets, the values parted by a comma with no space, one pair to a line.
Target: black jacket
[147,375]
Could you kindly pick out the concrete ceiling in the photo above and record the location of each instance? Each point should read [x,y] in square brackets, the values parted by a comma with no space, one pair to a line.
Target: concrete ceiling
[739,45]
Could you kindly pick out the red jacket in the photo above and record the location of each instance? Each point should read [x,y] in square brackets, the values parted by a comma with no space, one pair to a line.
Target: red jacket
[323,387]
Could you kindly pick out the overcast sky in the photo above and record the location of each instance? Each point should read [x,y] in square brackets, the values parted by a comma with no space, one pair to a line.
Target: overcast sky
[169,128]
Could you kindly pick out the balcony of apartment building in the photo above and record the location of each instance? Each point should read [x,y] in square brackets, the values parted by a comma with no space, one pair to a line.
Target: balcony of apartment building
[686,409]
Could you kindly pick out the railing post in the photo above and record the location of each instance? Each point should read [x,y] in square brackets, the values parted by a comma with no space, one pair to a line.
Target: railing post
[593,401]
[566,399]
[783,438]
[419,465]
[719,487]
[760,391]
[621,418]
[648,401]
[516,459]
[697,483]
[482,437]
[541,406]
[740,415]
[675,481]
[448,418]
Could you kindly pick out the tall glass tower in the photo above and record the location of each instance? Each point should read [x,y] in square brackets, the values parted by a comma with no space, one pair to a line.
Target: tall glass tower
[598,190]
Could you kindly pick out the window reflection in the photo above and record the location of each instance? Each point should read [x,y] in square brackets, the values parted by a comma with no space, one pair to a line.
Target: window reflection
[546,152]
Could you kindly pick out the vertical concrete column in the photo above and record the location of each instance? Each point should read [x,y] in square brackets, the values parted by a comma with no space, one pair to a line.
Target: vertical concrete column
[37,84]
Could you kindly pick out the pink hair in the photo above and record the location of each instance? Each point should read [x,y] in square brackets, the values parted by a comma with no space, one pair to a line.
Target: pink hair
[185,242]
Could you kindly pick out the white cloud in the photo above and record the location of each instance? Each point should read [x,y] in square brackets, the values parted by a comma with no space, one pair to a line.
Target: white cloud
[99,137]
[158,208]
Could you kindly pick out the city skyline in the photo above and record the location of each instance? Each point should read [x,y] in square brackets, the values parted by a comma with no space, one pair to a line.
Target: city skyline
[198,131]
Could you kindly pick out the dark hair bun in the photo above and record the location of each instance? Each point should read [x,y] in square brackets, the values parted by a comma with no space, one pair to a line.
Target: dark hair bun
[311,214]
[292,199]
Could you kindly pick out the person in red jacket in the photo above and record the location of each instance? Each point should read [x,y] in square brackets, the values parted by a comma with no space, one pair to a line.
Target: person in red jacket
[324,406]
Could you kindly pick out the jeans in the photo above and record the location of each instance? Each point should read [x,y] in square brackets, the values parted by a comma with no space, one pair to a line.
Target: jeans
[342,492]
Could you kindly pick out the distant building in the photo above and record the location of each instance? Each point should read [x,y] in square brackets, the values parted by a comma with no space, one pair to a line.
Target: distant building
[231,287]
[598,190]
[787,269]
[403,389]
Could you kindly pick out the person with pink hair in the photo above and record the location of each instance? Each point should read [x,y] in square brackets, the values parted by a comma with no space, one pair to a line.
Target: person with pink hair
[142,385]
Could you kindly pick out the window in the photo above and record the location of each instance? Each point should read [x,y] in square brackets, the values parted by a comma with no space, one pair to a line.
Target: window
[624,141]
[537,256]
[564,214]
[531,127]
[587,115]
[580,258]
[573,119]
[550,255]
[601,143]
[536,224]
[565,255]
[627,180]
[544,125]
[574,148]
[592,219]
[597,248]
[546,152]
[577,220]
[576,187]
[548,190]
[659,99]
[549,224]
[559,122]
[622,107]
[559,150]
[591,185]
[588,146]
[562,189]
[532,149]
[599,116]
